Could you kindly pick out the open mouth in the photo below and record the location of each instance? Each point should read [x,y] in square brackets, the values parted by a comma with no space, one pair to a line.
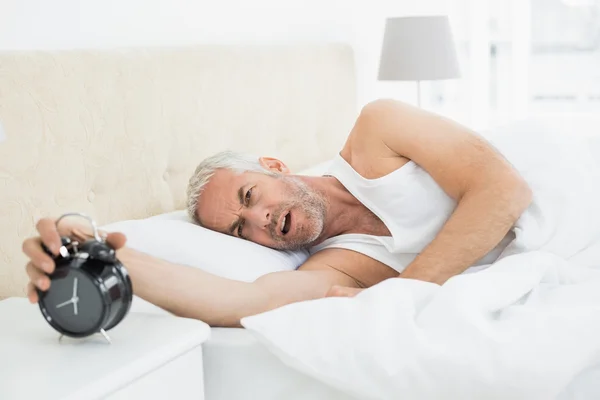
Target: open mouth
[286,223]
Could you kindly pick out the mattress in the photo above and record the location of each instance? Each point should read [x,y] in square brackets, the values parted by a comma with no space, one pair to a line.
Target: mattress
[238,367]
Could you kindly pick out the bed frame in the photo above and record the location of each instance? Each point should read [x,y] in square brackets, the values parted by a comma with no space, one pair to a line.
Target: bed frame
[116,134]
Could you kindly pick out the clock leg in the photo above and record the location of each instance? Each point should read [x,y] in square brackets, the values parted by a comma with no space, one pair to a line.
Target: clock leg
[103,332]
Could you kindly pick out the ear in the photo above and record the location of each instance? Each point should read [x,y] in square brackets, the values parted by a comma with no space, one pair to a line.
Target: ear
[274,165]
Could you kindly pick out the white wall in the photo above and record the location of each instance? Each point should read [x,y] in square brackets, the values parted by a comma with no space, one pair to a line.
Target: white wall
[107,23]
[71,24]
[369,23]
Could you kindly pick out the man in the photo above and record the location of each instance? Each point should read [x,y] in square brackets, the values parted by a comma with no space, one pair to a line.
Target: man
[449,200]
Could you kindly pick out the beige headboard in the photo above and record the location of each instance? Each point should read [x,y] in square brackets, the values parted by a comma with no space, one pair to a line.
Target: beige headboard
[116,134]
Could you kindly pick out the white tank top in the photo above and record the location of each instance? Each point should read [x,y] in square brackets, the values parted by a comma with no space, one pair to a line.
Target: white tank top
[412,206]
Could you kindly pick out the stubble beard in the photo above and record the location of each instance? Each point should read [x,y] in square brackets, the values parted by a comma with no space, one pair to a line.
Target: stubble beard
[314,207]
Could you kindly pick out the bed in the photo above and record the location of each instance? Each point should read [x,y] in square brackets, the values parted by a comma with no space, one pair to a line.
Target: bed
[91,130]
[116,134]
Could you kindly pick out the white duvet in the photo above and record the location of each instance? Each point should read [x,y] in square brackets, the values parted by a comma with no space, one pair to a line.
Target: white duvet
[527,327]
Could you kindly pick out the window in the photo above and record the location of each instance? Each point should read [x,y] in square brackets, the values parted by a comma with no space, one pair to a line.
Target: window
[520,57]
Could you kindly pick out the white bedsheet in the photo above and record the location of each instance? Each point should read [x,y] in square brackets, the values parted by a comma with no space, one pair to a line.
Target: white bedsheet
[523,329]
[527,327]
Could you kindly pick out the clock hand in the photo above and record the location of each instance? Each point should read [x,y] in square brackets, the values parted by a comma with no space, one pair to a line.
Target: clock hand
[76,300]
[75,288]
[64,303]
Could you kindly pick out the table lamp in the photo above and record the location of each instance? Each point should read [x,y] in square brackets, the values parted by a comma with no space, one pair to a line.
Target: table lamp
[417,49]
[2,135]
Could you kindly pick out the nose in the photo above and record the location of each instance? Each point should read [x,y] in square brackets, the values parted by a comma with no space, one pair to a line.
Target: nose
[261,217]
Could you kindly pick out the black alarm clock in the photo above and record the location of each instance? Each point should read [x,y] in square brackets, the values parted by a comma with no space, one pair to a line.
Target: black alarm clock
[90,290]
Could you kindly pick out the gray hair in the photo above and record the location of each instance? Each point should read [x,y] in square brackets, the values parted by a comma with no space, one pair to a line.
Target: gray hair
[237,162]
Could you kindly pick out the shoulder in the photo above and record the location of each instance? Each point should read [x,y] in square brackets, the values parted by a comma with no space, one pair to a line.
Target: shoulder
[379,118]
[380,112]
[410,131]
[367,148]
[365,138]
[379,106]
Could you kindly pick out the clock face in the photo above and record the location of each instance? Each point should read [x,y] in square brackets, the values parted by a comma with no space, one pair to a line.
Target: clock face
[73,302]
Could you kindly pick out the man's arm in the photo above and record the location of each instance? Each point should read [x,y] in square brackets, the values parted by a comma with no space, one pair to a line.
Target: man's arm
[491,194]
[192,293]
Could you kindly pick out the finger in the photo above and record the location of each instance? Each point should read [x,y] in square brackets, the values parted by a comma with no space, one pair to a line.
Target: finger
[31,293]
[33,250]
[116,240]
[79,234]
[37,277]
[49,234]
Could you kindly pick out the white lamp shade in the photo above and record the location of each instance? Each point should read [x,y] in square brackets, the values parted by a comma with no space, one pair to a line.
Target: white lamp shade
[2,135]
[418,48]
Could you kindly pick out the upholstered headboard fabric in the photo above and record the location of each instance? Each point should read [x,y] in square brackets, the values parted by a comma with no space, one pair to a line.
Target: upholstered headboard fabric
[116,134]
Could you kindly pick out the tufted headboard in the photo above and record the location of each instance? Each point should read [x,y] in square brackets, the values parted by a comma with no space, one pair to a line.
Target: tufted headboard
[117,133]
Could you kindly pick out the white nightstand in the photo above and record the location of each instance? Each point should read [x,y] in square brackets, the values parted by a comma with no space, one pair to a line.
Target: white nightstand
[152,356]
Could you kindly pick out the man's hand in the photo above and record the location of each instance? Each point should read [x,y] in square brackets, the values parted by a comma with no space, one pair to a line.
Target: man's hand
[41,263]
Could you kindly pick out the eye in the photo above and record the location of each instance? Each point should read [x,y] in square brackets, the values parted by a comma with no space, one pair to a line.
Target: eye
[248,196]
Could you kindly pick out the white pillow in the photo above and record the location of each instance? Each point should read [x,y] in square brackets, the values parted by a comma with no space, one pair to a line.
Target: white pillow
[175,238]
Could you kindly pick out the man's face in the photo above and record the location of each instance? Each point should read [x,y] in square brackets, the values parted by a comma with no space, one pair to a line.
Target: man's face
[280,212]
